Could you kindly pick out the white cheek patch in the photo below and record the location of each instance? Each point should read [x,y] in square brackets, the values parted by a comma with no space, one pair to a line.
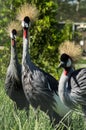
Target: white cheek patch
[69,63]
[22,24]
[12,36]
[25,24]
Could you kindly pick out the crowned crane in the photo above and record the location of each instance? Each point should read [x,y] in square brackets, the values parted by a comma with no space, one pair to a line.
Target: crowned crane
[13,84]
[72,84]
[40,87]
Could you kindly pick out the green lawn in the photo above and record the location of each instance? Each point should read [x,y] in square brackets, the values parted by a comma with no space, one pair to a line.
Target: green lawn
[11,120]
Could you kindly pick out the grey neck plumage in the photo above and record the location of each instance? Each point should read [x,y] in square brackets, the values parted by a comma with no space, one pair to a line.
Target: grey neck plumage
[26,57]
[14,58]
[63,91]
[14,64]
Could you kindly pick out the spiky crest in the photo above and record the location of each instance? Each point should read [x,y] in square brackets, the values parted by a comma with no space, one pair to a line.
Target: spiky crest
[28,10]
[13,25]
[71,49]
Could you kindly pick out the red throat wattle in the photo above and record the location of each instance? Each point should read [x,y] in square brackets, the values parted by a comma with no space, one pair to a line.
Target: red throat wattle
[25,33]
[13,42]
[65,72]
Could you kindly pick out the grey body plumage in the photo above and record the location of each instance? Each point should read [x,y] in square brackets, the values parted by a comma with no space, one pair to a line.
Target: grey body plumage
[77,83]
[38,88]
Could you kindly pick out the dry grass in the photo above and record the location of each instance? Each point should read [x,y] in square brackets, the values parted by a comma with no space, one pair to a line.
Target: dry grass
[13,25]
[27,10]
[73,50]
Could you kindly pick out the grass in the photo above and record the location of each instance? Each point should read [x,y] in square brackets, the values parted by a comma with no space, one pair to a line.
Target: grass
[11,120]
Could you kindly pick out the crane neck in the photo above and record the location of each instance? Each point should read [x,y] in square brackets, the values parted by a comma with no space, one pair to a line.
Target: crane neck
[14,58]
[63,91]
[26,41]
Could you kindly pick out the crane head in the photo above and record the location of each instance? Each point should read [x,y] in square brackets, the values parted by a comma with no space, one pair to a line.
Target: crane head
[65,61]
[26,22]
[13,34]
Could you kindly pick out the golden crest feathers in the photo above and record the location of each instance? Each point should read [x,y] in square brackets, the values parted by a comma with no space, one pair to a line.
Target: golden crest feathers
[73,50]
[27,10]
[13,25]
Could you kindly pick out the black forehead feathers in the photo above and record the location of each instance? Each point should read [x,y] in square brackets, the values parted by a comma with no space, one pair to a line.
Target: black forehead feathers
[64,57]
[27,19]
[14,31]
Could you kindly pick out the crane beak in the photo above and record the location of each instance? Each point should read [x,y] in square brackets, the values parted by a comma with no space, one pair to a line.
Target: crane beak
[61,65]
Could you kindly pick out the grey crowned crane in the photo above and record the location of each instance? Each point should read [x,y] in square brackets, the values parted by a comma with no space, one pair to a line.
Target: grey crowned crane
[72,84]
[40,87]
[13,84]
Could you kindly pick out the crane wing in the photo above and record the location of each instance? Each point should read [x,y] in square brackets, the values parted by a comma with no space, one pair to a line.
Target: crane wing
[36,88]
[77,82]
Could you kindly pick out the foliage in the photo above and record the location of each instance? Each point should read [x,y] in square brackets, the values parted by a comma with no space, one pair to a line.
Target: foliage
[77,36]
[4,61]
